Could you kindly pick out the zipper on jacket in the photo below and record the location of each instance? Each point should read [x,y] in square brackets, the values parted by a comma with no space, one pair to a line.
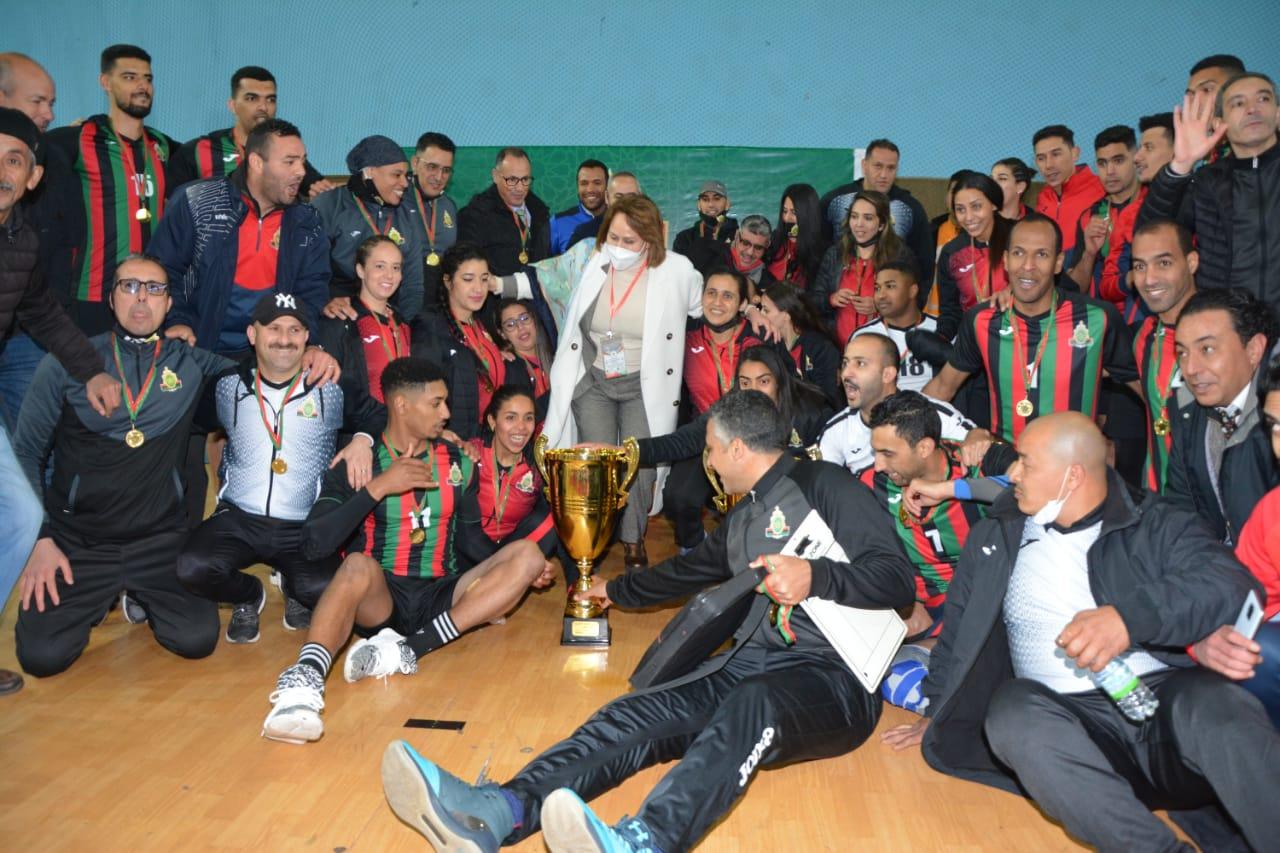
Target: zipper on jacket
[1262,229]
[71,495]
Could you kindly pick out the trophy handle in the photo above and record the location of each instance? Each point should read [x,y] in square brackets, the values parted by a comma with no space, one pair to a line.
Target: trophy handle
[632,448]
[540,461]
[712,478]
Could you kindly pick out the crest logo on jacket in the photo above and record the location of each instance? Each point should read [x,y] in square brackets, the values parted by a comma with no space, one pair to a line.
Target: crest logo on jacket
[455,475]
[777,528]
[308,409]
[525,483]
[1080,338]
[169,380]
[448,220]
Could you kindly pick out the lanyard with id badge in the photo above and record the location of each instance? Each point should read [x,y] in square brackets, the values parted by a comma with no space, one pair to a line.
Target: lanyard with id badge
[611,352]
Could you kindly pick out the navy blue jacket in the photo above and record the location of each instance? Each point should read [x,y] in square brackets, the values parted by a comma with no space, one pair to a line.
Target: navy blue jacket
[197,244]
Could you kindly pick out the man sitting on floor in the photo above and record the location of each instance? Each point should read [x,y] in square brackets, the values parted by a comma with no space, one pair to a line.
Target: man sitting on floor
[405,581]
[781,694]
[1069,573]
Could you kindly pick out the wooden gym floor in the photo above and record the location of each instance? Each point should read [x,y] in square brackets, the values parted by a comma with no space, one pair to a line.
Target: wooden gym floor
[135,749]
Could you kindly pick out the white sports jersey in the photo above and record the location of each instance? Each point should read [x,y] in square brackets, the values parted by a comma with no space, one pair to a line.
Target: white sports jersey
[846,439]
[913,373]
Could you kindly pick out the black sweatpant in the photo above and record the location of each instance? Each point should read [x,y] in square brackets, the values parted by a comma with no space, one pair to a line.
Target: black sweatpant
[683,497]
[762,709]
[183,623]
[213,561]
[1085,765]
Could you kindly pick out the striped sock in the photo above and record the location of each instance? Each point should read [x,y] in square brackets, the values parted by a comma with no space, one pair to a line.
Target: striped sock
[317,656]
[438,633]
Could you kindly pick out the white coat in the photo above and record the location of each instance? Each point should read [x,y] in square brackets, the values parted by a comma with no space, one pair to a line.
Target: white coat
[674,292]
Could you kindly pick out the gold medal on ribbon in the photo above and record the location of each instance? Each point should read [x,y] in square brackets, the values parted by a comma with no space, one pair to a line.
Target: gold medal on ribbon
[1162,426]
[1024,408]
[904,516]
[524,257]
[417,536]
[134,438]
[143,215]
[433,260]
[279,465]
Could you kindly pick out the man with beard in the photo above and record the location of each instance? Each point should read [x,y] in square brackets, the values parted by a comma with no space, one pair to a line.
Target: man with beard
[107,189]
[869,373]
[436,212]
[231,240]
[592,178]
[114,505]
[373,203]
[281,431]
[218,152]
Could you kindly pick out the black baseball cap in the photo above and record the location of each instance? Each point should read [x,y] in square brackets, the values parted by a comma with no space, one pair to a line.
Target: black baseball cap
[276,305]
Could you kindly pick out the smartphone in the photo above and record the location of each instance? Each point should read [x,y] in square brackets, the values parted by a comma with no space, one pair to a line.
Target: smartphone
[1250,616]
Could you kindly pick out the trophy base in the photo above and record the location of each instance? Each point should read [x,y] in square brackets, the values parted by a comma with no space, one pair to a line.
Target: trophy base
[585,622]
[585,632]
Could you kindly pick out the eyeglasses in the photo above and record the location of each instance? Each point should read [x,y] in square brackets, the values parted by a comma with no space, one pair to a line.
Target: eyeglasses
[745,245]
[437,169]
[131,286]
[513,182]
[515,322]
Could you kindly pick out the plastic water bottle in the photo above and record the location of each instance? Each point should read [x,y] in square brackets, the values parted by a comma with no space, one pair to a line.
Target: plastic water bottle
[1135,699]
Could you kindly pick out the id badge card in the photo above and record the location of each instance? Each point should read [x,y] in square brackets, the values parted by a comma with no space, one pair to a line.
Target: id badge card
[611,352]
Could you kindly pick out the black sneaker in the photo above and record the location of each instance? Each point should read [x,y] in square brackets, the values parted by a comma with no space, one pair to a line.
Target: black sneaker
[134,613]
[296,615]
[243,627]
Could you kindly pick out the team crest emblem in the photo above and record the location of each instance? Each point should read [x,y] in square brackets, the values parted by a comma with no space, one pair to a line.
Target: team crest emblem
[308,409]
[448,220]
[275,241]
[808,364]
[1080,338]
[455,475]
[777,528]
[169,380]
[795,439]
[525,483]
[396,236]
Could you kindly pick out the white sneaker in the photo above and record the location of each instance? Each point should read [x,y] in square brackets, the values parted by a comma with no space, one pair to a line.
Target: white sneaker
[380,656]
[296,705]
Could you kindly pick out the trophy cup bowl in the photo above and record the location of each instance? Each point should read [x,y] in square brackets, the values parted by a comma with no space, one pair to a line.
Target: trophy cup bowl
[587,489]
[723,502]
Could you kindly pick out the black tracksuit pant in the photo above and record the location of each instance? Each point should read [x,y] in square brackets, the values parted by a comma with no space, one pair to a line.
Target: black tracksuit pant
[213,561]
[183,623]
[763,708]
[683,497]
[1085,765]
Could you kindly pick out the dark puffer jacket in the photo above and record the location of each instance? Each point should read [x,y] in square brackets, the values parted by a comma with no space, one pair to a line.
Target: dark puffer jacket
[1233,207]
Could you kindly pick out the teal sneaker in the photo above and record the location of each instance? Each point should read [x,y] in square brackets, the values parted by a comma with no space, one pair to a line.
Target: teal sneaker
[453,816]
[569,826]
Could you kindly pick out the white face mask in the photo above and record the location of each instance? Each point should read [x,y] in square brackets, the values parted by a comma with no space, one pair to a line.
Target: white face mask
[1049,513]
[622,258]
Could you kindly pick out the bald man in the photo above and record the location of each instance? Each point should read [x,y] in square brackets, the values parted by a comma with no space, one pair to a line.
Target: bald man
[1070,571]
[27,87]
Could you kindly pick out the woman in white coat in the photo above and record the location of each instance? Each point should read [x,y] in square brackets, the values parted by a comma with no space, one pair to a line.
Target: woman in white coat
[620,360]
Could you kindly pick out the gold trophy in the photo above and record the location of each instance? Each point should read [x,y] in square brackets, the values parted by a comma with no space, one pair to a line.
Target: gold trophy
[723,502]
[587,488]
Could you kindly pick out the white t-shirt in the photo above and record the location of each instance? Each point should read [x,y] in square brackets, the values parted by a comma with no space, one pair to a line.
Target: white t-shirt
[913,373]
[846,439]
[1048,587]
